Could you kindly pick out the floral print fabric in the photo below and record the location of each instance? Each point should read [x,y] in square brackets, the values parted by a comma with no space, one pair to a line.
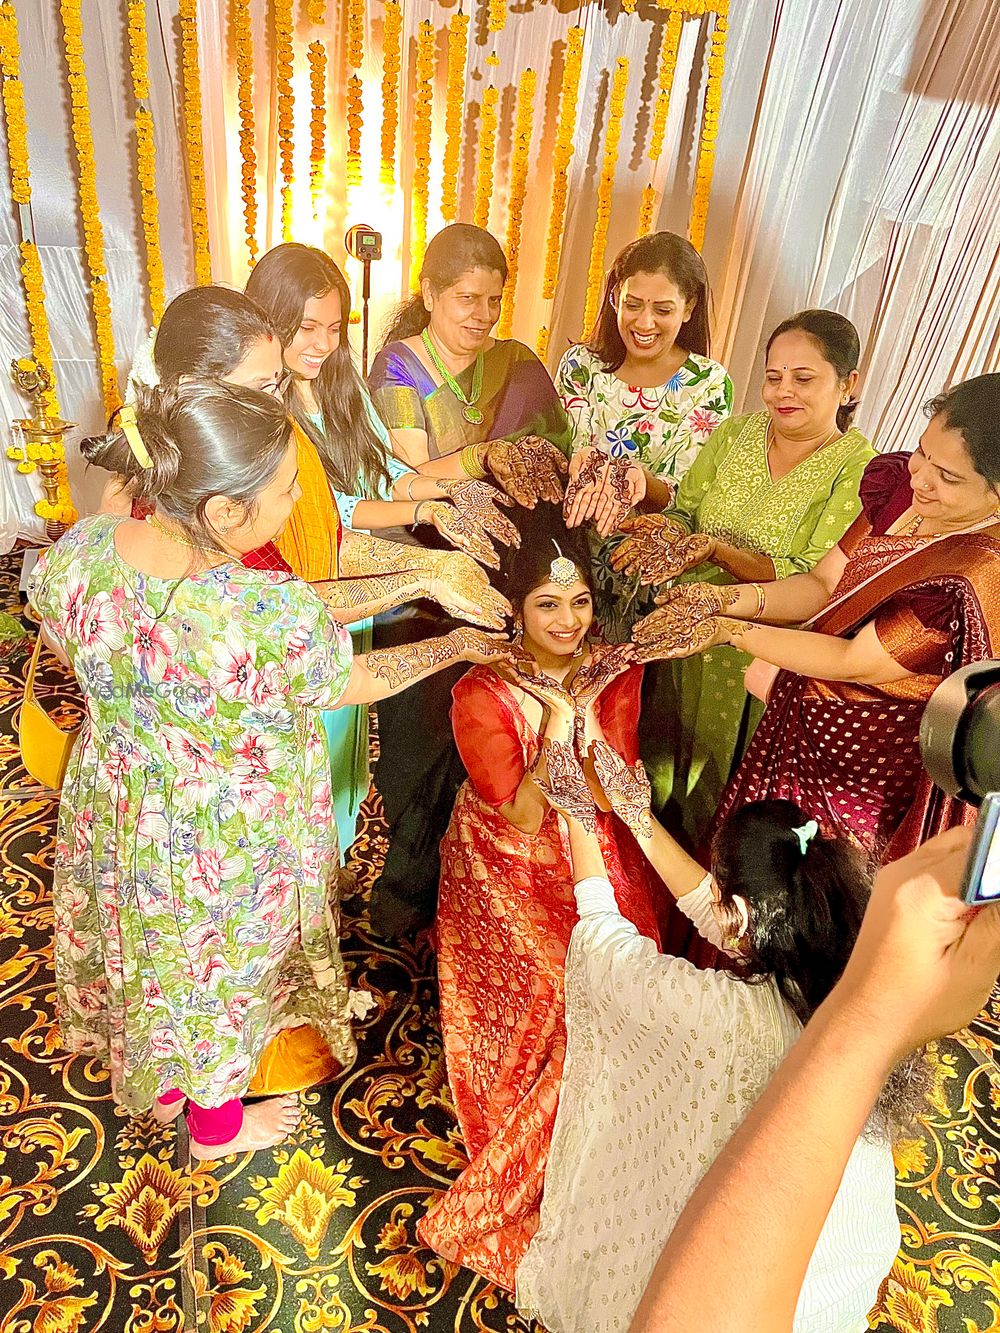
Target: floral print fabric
[662,428]
[196,851]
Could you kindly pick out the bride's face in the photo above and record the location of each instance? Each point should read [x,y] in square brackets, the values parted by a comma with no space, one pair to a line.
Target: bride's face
[556,619]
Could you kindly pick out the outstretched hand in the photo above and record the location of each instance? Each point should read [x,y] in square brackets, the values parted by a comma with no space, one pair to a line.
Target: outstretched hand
[699,600]
[669,632]
[604,667]
[529,469]
[602,490]
[482,503]
[561,780]
[626,786]
[649,550]
[459,585]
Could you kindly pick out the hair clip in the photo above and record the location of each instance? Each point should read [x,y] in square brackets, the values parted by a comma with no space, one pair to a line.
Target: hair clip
[562,570]
[806,833]
[130,429]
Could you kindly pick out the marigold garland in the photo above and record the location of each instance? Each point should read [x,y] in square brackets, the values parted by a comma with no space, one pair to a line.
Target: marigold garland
[392,28]
[317,124]
[17,153]
[487,148]
[561,155]
[616,107]
[145,154]
[458,48]
[668,63]
[194,151]
[354,124]
[243,42]
[355,33]
[496,15]
[421,146]
[93,232]
[709,132]
[284,60]
[316,11]
[542,342]
[523,125]
[647,210]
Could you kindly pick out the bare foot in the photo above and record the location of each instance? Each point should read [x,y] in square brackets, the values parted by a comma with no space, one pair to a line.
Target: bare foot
[264,1124]
[164,1113]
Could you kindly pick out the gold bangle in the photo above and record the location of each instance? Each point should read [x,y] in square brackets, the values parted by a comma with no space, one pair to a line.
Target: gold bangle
[409,486]
[759,590]
[472,463]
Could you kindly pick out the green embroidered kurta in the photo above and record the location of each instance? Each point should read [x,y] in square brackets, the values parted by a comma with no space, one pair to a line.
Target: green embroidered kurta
[698,717]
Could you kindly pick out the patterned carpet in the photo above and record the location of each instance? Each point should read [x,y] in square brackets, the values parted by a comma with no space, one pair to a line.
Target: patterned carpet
[105,1223]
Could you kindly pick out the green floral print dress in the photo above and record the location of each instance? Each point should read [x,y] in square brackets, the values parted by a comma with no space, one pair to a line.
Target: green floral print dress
[196,852]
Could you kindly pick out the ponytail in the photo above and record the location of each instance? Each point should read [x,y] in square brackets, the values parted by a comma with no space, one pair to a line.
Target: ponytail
[805,898]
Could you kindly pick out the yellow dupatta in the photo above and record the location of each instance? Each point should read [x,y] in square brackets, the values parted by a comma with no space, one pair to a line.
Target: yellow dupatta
[311,538]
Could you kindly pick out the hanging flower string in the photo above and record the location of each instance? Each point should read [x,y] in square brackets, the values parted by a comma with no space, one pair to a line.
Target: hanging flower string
[317,123]
[316,11]
[616,107]
[496,15]
[145,151]
[487,148]
[421,146]
[194,151]
[709,131]
[355,108]
[542,342]
[392,29]
[669,46]
[243,42]
[562,153]
[458,47]
[523,124]
[20,182]
[284,59]
[93,232]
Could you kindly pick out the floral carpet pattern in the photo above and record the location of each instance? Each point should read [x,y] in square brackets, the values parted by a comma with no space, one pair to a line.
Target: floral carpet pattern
[107,1223]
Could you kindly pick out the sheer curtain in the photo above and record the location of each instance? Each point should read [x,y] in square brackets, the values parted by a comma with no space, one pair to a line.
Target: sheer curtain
[858,168]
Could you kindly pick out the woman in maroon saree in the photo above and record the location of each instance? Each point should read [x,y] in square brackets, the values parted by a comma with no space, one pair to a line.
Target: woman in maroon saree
[911,594]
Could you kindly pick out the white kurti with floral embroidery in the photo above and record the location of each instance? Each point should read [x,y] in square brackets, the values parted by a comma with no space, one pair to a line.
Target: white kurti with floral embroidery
[661,427]
[196,853]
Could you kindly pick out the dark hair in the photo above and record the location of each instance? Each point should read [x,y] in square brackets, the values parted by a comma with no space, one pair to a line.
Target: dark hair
[973,408]
[204,439]
[454,251]
[837,339]
[525,568]
[282,282]
[805,909]
[660,252]
[206,332]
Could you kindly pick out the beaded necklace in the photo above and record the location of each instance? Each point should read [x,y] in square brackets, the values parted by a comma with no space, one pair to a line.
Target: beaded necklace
[470,411]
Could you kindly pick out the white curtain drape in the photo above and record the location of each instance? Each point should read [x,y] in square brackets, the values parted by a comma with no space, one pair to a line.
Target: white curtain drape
[858,168]
[857,165]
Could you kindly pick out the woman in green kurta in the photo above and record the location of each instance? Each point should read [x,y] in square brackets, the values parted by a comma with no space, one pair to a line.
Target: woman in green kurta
[768,495]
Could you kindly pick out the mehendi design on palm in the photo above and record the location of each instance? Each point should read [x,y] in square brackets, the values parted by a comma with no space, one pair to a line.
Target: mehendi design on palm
[565,785]
[626,786]
[650,550]
[700,600]
[670,632]
[529,469]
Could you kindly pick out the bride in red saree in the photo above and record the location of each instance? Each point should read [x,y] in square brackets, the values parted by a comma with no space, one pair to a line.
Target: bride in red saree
[506,908]
[911,594]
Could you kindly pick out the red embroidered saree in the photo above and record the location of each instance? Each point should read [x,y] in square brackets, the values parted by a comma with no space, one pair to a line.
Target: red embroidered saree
[850,754]
[505,915]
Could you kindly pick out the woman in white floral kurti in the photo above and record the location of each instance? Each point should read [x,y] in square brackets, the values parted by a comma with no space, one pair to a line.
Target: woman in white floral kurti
[194,887]
[643,387]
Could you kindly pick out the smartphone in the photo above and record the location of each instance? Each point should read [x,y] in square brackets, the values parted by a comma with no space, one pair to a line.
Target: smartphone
[982,870]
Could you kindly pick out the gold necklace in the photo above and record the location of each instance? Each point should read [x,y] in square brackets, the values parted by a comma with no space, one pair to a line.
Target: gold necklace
[154,522]
[911,528]
[835,435]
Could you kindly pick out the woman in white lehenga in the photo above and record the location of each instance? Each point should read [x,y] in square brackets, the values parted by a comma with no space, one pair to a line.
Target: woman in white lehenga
[664,1060]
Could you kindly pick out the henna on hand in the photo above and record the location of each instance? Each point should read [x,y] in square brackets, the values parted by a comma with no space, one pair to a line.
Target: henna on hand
[604,667]
[461,587]
[461,528]
[410,662]
[583,489]
[648,549]
[626,786]
[700,600]
[353,599]
[480,501]
[623,486]
[564,784]
[666,634]
[529,469]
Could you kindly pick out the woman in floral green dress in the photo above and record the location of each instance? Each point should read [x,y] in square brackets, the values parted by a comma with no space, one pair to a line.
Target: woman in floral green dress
[194,898]
[767,497]
[643,396]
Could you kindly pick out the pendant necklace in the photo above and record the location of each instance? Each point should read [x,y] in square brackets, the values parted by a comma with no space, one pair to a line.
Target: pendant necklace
[470,411]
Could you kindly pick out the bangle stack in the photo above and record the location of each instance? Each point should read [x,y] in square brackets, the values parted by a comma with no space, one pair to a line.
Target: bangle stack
[472,463]
[759,610]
